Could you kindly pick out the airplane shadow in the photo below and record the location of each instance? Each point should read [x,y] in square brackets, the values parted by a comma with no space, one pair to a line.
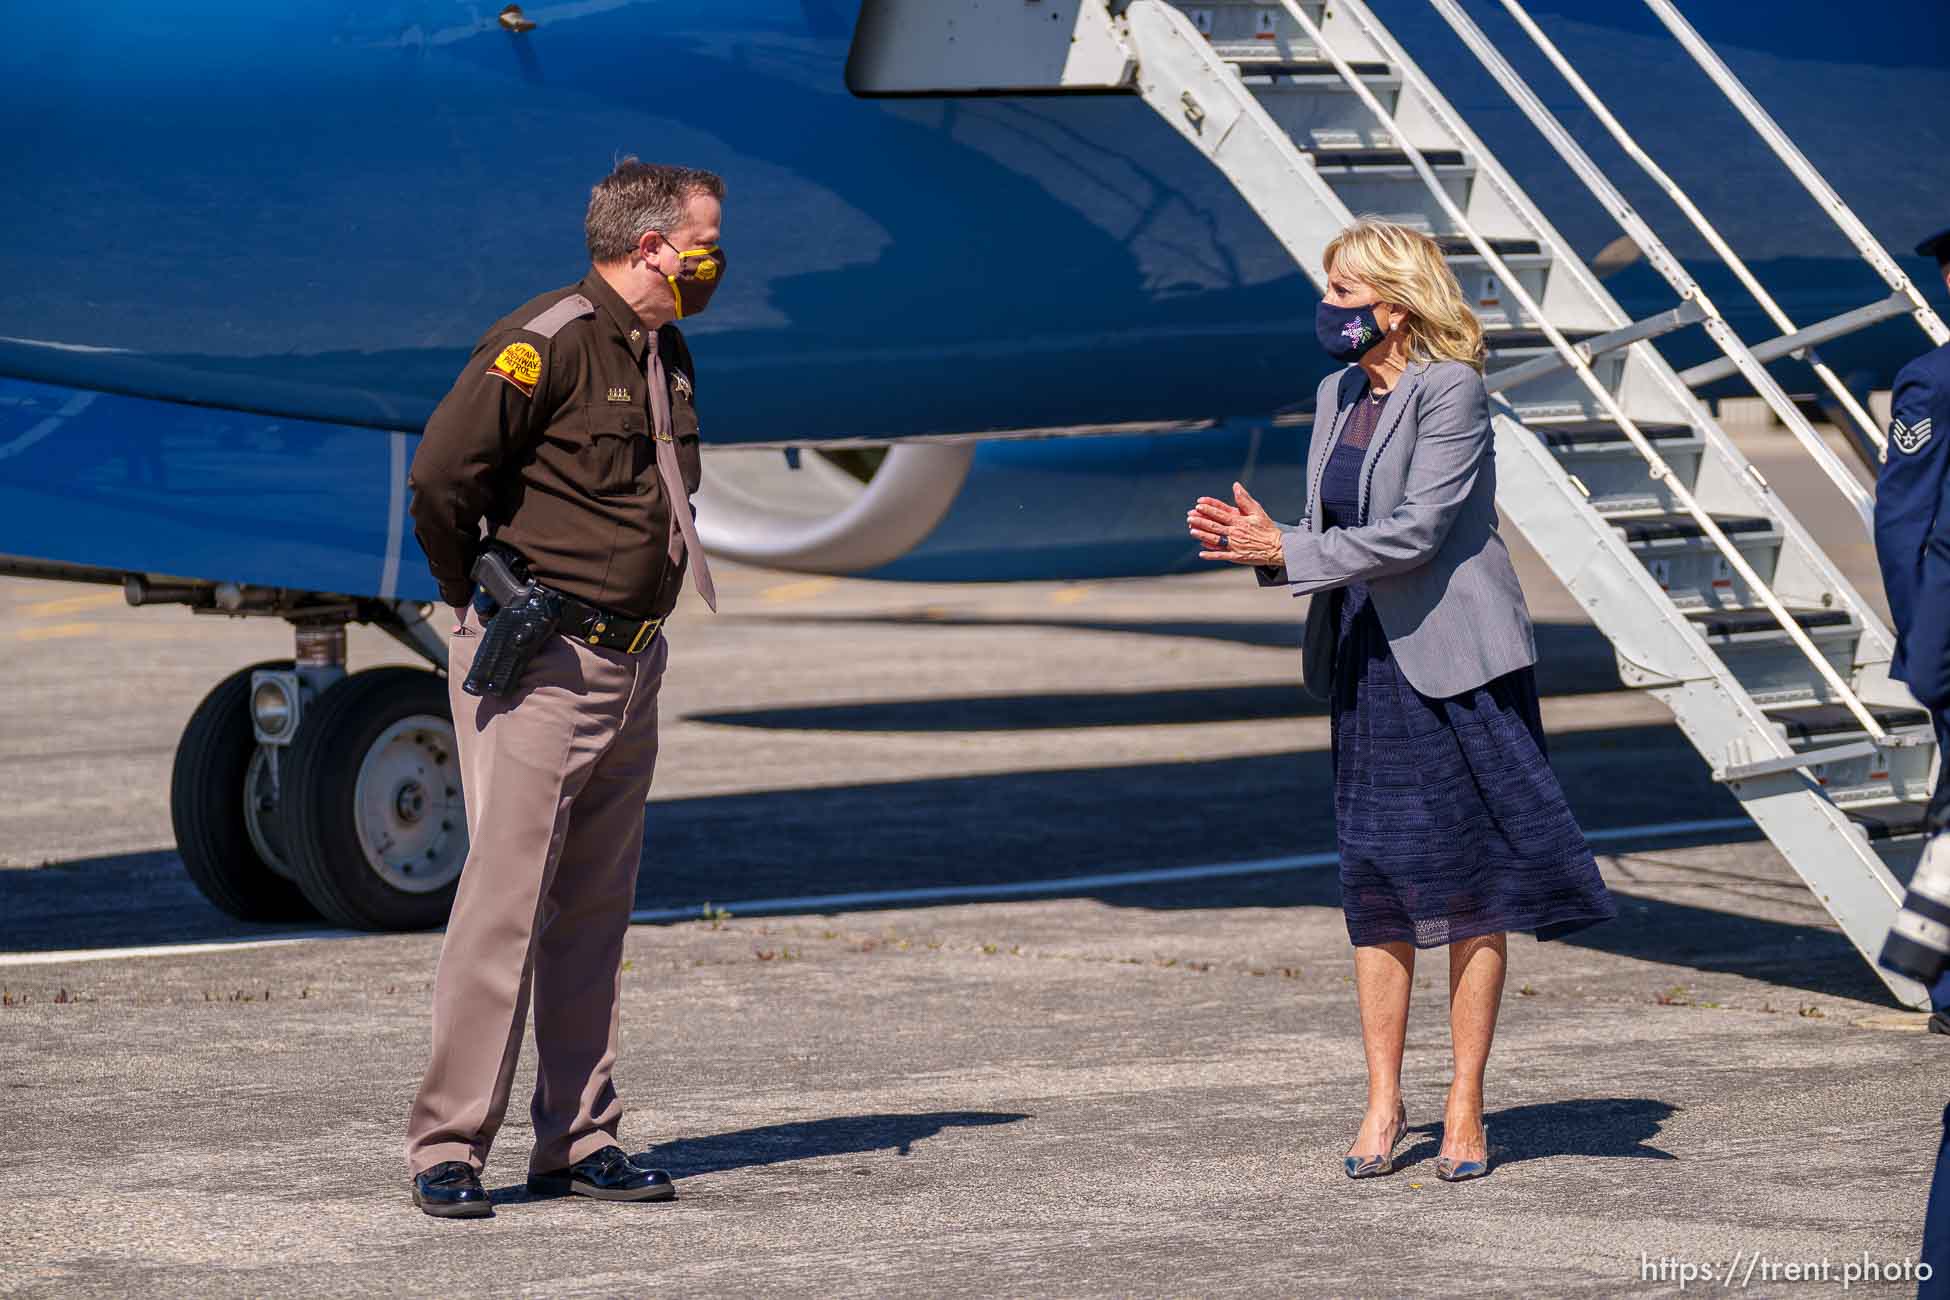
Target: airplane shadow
[774,1144]
[1607,1127]
[1035,711]
[1018,829]
[1574,659]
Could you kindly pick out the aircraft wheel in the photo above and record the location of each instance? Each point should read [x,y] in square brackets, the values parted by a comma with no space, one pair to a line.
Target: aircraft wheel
[373,819]
[210,794]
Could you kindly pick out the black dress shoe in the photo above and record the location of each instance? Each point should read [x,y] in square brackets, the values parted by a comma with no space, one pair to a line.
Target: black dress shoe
[608,1175]
[451,1190]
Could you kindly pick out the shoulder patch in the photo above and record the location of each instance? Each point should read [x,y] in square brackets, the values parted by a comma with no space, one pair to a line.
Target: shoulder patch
[681,382]
[519,364]
[1909,438]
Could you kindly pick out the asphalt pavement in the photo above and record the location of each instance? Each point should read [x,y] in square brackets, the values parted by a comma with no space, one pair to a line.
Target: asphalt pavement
[999,1086]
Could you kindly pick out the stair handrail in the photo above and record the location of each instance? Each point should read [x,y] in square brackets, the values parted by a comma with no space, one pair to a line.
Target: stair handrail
[1797,162]
[1683,201]
[1655,249]
[1659,470]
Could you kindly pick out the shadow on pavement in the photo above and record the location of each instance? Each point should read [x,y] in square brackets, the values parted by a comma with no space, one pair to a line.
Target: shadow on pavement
[1573,659]
[773,1144]
[1609,1127]
[1041,711]
[1018,828]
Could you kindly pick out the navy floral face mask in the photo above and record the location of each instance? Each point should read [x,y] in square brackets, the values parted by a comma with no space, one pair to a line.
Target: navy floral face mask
[1346,332]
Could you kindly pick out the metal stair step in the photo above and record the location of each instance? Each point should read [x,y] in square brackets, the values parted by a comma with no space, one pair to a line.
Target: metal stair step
[1283,67]
[1812,724]
[1683,527]
[1690,569]
[1522,343]
[1874,776]
[1364,159]
[1590,435]
[1750,622]
[1611,471]
[1456,246]
[1891,821]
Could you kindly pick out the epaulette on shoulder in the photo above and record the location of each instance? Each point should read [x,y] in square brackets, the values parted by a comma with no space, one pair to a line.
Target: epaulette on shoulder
[550,322]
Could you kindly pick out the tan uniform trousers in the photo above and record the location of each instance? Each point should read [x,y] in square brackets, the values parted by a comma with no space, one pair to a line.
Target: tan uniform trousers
[555,777]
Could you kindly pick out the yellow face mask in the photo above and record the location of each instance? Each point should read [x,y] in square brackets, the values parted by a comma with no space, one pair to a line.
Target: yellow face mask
[699,273]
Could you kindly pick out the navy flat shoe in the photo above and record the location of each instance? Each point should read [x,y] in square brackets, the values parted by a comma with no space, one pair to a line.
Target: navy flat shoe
[1376,1166]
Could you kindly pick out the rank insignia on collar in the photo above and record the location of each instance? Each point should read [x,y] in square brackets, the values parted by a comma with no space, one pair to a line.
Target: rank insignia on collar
[1909,438]
[519,364]
[619,394]
[681,382]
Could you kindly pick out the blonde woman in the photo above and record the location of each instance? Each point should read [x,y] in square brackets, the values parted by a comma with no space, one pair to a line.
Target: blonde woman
[1451,828]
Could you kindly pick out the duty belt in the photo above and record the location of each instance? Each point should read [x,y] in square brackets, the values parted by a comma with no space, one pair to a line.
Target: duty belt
[605,628]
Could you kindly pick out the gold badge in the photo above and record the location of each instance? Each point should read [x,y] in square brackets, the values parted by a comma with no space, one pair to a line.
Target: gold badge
[520,365]
[619,394]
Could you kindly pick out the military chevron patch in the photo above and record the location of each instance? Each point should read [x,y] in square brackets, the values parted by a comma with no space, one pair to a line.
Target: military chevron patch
[1909,438]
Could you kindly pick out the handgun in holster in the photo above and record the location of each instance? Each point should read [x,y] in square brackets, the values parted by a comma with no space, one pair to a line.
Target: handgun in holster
[524,617]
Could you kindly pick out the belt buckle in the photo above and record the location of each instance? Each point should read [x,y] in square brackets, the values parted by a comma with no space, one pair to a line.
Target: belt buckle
[644,635]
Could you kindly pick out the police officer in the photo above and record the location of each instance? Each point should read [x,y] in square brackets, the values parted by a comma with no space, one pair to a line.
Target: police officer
[571,438]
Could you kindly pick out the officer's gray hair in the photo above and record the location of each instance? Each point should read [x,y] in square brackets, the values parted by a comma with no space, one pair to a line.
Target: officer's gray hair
[641,196]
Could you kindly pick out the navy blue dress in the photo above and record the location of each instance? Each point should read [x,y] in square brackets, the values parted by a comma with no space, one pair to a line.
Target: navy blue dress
[1450,822]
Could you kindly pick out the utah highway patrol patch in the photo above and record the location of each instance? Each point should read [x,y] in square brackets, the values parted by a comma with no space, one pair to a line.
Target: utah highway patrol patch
[681,382]
[520,365]
[1909,438]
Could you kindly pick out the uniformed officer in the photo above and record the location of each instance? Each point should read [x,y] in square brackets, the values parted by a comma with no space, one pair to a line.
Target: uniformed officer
[1913,520]
[1913,541]
[571,437]
[1913,548]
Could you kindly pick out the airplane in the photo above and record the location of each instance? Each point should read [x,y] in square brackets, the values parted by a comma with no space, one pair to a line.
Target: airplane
[251,245]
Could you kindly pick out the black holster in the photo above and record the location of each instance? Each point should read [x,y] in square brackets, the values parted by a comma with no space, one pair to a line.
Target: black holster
[526,618]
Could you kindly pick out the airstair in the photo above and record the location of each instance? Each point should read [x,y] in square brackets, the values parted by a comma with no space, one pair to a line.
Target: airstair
[1714,597]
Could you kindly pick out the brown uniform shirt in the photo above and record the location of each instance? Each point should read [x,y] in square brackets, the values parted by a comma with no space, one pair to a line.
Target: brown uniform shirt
[547,440]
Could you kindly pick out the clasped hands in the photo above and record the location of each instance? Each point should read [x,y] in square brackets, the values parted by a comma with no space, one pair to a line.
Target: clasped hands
[1241,533]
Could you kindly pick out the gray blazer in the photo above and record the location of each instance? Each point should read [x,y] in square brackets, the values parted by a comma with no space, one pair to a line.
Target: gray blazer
[1437,572]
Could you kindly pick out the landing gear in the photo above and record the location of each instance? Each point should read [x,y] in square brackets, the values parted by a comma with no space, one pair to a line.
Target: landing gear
[372,807]
[215,794]
[300,791]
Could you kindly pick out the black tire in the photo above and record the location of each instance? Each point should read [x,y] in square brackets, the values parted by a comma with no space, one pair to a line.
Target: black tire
[335,737]
[206,808]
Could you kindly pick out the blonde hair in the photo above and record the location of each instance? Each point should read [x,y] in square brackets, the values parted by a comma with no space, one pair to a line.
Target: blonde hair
[1406,268]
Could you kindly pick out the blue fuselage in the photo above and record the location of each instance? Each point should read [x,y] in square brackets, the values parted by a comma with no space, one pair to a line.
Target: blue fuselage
[311,209]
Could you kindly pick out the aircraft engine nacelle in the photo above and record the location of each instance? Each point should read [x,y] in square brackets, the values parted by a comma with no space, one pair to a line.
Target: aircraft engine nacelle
[1077,506]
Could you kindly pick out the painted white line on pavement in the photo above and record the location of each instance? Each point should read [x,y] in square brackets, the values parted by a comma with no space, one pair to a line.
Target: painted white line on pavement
[170,949]
[933,894]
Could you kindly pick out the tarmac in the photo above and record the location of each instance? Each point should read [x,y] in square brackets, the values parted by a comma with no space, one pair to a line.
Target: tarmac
[1017,967]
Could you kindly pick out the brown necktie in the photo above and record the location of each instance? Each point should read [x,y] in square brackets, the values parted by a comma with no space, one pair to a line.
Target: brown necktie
[684,530]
